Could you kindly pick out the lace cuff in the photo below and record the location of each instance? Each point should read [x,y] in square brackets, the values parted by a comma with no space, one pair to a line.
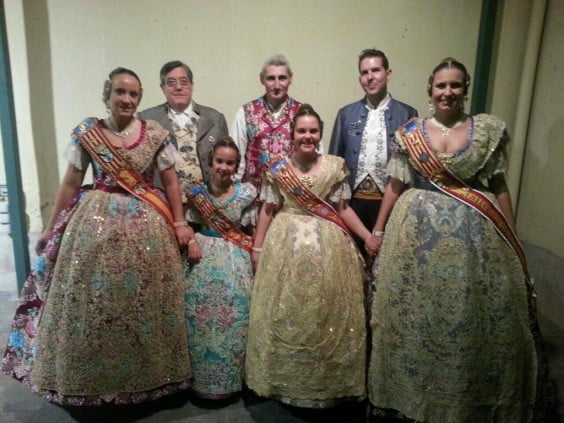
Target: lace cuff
[167,156]
[269,193]
[398,167]
[193,216]
[340,191]
[76,155]
[496,164]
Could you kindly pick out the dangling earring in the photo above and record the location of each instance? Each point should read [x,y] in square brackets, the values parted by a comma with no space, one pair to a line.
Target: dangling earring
[461,104]
[106,94]
[431,107]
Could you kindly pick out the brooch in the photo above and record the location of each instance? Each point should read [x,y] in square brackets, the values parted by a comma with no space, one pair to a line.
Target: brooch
[354,128]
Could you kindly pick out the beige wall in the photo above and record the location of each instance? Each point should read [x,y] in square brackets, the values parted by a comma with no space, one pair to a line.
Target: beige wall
[541,202]
[15,24]
[507,60]
[73,44]
[63,49]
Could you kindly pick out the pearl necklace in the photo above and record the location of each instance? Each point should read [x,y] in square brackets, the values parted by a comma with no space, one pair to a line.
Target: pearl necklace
[446,130]
[113,129]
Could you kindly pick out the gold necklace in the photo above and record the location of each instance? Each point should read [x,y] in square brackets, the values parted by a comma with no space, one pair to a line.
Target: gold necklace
[304,167]
[113,128]
[446,130]
[307,180]
[218,191]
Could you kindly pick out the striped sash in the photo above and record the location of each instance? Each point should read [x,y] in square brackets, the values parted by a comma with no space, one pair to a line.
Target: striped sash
[302,196]
[100,148]
[216,219]
[425,161]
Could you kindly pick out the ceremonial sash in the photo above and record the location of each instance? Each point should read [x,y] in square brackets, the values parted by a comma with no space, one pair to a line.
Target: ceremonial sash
[100,148]
[216,219]
[302,196]
[426,162]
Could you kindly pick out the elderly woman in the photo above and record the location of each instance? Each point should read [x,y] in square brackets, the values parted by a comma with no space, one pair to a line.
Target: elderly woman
[101,318]
[307,330]
[452,339]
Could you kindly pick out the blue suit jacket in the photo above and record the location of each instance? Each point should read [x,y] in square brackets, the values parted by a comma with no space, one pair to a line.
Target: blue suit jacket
[349,127]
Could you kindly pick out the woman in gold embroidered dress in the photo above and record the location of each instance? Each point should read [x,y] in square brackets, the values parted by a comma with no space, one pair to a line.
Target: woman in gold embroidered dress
[451,322]
[112,327]
[307,339]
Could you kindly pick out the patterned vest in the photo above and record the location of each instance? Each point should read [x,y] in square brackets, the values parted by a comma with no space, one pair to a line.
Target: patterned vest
[268,139]
[188,170]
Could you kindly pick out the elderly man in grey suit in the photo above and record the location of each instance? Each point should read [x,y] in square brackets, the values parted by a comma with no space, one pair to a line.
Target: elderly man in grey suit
[193,128]
[363,132]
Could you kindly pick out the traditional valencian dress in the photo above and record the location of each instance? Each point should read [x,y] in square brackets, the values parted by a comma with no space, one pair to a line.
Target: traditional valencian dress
[307,335]
[452,338]
[219,292]
[101,318]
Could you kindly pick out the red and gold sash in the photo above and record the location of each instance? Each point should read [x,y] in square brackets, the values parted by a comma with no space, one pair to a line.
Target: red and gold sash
[216,219]
[101,149]
[426,162]
[302,196]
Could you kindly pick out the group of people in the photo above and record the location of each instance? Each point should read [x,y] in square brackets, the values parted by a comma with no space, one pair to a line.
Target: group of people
[269,285]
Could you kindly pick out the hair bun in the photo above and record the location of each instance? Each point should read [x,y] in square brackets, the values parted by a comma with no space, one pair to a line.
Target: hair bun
[449,59]
[304,107]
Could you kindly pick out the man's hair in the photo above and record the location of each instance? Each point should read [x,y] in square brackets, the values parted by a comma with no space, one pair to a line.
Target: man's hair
[372,52]
[276,60]
[167,67]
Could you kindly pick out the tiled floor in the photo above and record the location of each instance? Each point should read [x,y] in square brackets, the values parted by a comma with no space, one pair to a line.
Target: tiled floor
[19,405]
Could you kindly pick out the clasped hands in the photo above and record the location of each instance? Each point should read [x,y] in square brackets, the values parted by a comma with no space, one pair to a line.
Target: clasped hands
[372,244]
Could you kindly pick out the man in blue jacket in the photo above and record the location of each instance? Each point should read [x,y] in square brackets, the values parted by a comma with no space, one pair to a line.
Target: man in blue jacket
[363,131]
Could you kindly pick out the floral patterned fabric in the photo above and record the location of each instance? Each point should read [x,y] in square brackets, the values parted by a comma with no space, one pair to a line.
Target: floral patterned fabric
[307,334]
[371,173]
[188,169]
[112,326]
[268,137]
[452,339]
[19,355]
[217,304]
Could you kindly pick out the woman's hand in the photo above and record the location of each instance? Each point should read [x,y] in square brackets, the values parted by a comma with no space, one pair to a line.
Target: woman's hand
[183,235]
[255,256]
[42,241]
[194,252]
[372,244]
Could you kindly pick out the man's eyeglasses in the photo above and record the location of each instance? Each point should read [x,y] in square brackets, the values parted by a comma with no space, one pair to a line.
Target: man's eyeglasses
[171,82]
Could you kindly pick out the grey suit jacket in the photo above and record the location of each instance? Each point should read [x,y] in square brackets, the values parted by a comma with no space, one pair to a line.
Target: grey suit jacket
[211,127]
[349,127]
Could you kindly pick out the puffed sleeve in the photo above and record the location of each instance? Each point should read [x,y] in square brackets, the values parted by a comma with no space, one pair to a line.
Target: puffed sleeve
[193,216]
[398,167]
[496,164]
[341,190]
[167,156]
[269,192]
[76,155]
[249,193]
